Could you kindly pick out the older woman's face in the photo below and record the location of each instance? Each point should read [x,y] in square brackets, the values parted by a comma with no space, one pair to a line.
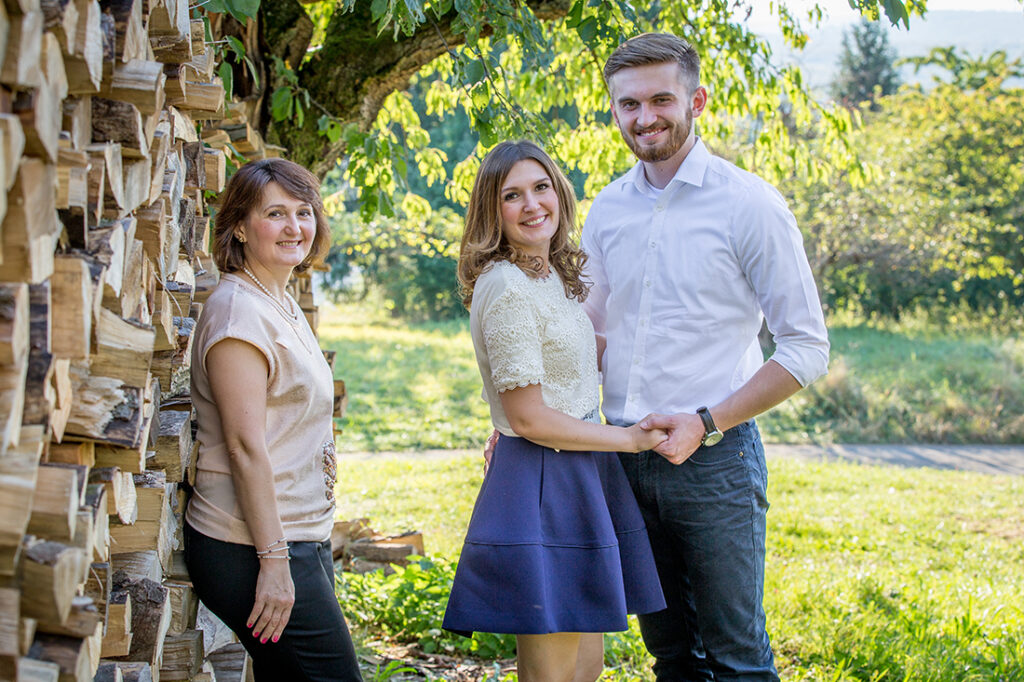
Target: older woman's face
[278,233]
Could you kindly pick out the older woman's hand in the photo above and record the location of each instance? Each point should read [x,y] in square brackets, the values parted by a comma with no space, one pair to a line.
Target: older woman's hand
[275,596]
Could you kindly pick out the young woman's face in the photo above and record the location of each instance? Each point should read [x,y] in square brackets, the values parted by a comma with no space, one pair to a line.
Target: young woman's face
[529,208]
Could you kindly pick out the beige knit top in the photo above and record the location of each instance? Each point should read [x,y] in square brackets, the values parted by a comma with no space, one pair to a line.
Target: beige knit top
[299,433]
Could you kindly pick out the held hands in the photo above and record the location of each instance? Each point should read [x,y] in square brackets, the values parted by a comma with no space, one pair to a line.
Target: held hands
[685,432]
[275,595]
[492,442]
[645,439]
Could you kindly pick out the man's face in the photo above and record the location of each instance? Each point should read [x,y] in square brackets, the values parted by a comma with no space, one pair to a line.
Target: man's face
[654,108]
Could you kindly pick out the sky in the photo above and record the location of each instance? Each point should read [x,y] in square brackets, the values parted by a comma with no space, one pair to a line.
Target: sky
[838,11]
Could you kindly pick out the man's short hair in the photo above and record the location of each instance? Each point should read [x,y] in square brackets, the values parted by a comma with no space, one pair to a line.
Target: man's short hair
[655,48]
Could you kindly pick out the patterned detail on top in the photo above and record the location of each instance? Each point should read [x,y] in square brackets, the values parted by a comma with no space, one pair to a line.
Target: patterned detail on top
[534,334]
[330,461]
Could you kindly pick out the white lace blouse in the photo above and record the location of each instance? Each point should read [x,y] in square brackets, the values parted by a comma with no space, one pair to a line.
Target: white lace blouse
[526,331]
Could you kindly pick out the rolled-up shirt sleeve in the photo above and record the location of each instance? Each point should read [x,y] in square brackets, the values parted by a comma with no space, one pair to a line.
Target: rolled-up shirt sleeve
[770,247]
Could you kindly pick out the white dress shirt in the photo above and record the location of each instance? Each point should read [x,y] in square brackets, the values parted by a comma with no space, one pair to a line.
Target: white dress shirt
[682,280]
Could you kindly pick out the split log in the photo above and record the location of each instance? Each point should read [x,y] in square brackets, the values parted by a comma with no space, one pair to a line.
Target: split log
[40,112]
[122,500]
[12,403]
[195,165]
[97,586]
[136,183]
[106,411]
[151,616]
[54,77]
[105,156]
[82,453]
[21,67]
[73,184]
[130,41]
[133,294]
[170,31]
[30,227]
[55,503]
[10,619]
[12,144]
[95,511]
[62,390]
[137,82]
[77,121]
[60,17]
[117,640]
[204,101]
[124,349]
[14,323]
[82,621]
[49,579]
[184,605]
[108,672]
[138,565]
[152,529]
[166,328]
[40,396]
[173,445]
[71,296]
[230,663]
[19,468]
[71,654]
[136,672]
[94,45]
[31,670]
[182,656]
[121,122]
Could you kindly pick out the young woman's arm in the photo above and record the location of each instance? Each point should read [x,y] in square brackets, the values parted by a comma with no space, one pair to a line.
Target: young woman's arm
[535,421]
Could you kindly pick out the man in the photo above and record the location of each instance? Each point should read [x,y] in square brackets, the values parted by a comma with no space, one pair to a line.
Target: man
[688,254]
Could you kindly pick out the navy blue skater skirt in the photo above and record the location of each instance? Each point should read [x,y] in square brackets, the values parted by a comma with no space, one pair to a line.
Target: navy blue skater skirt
[556,543]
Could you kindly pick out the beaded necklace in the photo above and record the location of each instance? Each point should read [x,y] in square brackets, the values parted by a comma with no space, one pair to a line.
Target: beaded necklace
[291,306]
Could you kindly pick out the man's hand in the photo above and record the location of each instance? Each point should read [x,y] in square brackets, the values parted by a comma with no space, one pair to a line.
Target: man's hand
[685,432]
[492,442]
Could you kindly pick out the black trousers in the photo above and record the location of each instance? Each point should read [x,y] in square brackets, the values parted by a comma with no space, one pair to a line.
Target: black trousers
[315,646]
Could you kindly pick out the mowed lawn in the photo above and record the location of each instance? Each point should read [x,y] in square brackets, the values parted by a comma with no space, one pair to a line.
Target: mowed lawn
[416,387]
[873,573]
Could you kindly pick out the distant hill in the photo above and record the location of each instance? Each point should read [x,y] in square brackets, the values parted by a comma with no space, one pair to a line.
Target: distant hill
[976,33]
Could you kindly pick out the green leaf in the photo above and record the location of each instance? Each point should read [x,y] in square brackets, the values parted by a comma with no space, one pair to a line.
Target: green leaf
[588,29]
[281,104]
[475,72]
[243,9]
[227,77]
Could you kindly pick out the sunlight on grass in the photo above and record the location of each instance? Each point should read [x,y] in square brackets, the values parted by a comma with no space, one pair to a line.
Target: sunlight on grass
[416,387]
[873,573]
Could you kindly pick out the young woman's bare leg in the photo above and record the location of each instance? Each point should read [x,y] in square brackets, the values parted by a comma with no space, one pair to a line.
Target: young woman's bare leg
[589,657]
[547,658]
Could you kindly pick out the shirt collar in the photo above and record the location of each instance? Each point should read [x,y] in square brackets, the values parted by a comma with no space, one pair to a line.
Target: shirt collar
[690,171]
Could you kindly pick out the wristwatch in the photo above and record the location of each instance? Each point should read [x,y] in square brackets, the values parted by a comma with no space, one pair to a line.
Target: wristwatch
[711,433]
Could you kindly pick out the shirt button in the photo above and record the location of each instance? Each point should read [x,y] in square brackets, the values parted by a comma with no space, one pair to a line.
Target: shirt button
[647,283]
[653,245]
[659,208]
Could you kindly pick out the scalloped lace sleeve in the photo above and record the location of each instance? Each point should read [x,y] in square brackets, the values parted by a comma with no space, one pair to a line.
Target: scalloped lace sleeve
[512,337]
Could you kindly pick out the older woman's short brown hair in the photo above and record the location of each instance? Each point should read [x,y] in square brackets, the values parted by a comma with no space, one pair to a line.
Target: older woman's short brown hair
[244,194]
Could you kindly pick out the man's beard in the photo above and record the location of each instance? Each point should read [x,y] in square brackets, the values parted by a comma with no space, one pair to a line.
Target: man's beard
[678,132]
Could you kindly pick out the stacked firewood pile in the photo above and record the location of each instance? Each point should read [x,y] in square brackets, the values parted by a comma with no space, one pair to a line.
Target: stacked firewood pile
[112,127]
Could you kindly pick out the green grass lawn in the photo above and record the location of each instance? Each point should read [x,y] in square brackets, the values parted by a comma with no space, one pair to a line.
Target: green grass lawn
[414,387]
[873,573]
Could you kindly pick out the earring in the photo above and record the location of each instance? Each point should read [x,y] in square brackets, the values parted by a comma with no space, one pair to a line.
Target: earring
[240,237]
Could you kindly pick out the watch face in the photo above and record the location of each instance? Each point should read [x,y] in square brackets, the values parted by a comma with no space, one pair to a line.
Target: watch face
[712,438]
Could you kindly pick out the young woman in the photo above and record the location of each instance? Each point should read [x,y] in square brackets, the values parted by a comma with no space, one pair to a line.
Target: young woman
[258,525]
[556,551]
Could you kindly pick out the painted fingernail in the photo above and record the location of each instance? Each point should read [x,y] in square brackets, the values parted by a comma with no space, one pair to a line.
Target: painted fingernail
[256,634]
[276,637]
[263,641]
[248,625]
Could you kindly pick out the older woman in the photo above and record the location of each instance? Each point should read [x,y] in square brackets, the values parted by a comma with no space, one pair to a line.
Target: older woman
[257,533]
[556,551]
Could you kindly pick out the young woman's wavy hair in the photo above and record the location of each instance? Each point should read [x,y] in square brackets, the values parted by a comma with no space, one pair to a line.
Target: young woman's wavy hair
[483,241]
